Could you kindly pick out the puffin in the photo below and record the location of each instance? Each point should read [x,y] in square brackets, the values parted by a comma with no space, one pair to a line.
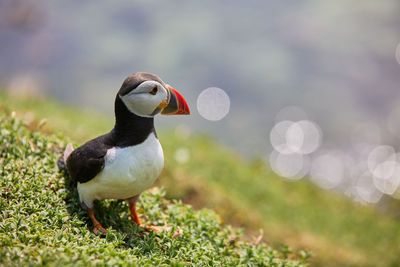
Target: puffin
[126,161]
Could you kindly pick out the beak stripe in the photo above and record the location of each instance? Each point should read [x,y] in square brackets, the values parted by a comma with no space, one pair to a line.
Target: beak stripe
[177,104]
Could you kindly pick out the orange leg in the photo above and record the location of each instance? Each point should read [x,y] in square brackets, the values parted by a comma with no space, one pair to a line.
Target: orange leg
[96,224]
[135,217]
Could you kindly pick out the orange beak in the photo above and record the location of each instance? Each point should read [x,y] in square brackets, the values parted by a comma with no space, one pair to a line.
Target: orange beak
[177,105]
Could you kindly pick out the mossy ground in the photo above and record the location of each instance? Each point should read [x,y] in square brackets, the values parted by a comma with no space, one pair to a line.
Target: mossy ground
[41,222]
[338,231]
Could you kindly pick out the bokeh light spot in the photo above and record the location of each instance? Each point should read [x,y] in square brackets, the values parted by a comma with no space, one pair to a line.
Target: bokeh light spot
[327,171]
[387,177]
[213,104]
[379,156]
[279,135]
[312,136]
[366,190]
[291,166]
[303,137]
[294,137]
[182,155]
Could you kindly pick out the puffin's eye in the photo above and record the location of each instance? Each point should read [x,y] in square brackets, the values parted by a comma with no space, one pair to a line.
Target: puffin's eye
[154,90]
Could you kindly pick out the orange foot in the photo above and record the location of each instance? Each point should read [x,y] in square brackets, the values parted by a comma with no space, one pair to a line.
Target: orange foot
[156,228]
[135,218]
[99,230]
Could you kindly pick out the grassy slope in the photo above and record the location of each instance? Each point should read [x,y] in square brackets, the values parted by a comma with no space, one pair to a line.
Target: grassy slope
[335,229]
[41,222]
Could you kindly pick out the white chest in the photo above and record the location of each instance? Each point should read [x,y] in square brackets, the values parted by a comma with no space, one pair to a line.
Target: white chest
[127,172]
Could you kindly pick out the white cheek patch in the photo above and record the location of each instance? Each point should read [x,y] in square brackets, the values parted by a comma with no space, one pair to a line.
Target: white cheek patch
[143,103]
[139,104]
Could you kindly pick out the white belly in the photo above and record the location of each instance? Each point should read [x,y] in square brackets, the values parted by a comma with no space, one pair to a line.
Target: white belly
[127,172]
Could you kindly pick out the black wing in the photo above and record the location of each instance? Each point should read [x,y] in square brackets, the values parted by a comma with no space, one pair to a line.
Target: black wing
[87,161]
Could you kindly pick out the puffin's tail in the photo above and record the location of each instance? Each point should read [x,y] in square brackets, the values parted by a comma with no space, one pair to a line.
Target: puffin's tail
[62,161]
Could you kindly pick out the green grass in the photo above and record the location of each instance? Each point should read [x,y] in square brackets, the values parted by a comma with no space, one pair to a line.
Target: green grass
[41,222]
[248,194]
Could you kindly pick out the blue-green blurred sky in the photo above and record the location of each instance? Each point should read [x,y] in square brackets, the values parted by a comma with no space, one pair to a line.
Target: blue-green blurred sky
[335,59]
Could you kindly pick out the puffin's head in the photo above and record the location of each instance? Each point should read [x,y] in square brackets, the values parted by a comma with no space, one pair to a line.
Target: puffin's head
[146,95]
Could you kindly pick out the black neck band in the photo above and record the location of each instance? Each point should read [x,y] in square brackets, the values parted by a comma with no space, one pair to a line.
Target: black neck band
[130,129]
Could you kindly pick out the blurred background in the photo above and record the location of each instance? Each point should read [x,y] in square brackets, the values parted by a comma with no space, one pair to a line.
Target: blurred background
[311,88]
